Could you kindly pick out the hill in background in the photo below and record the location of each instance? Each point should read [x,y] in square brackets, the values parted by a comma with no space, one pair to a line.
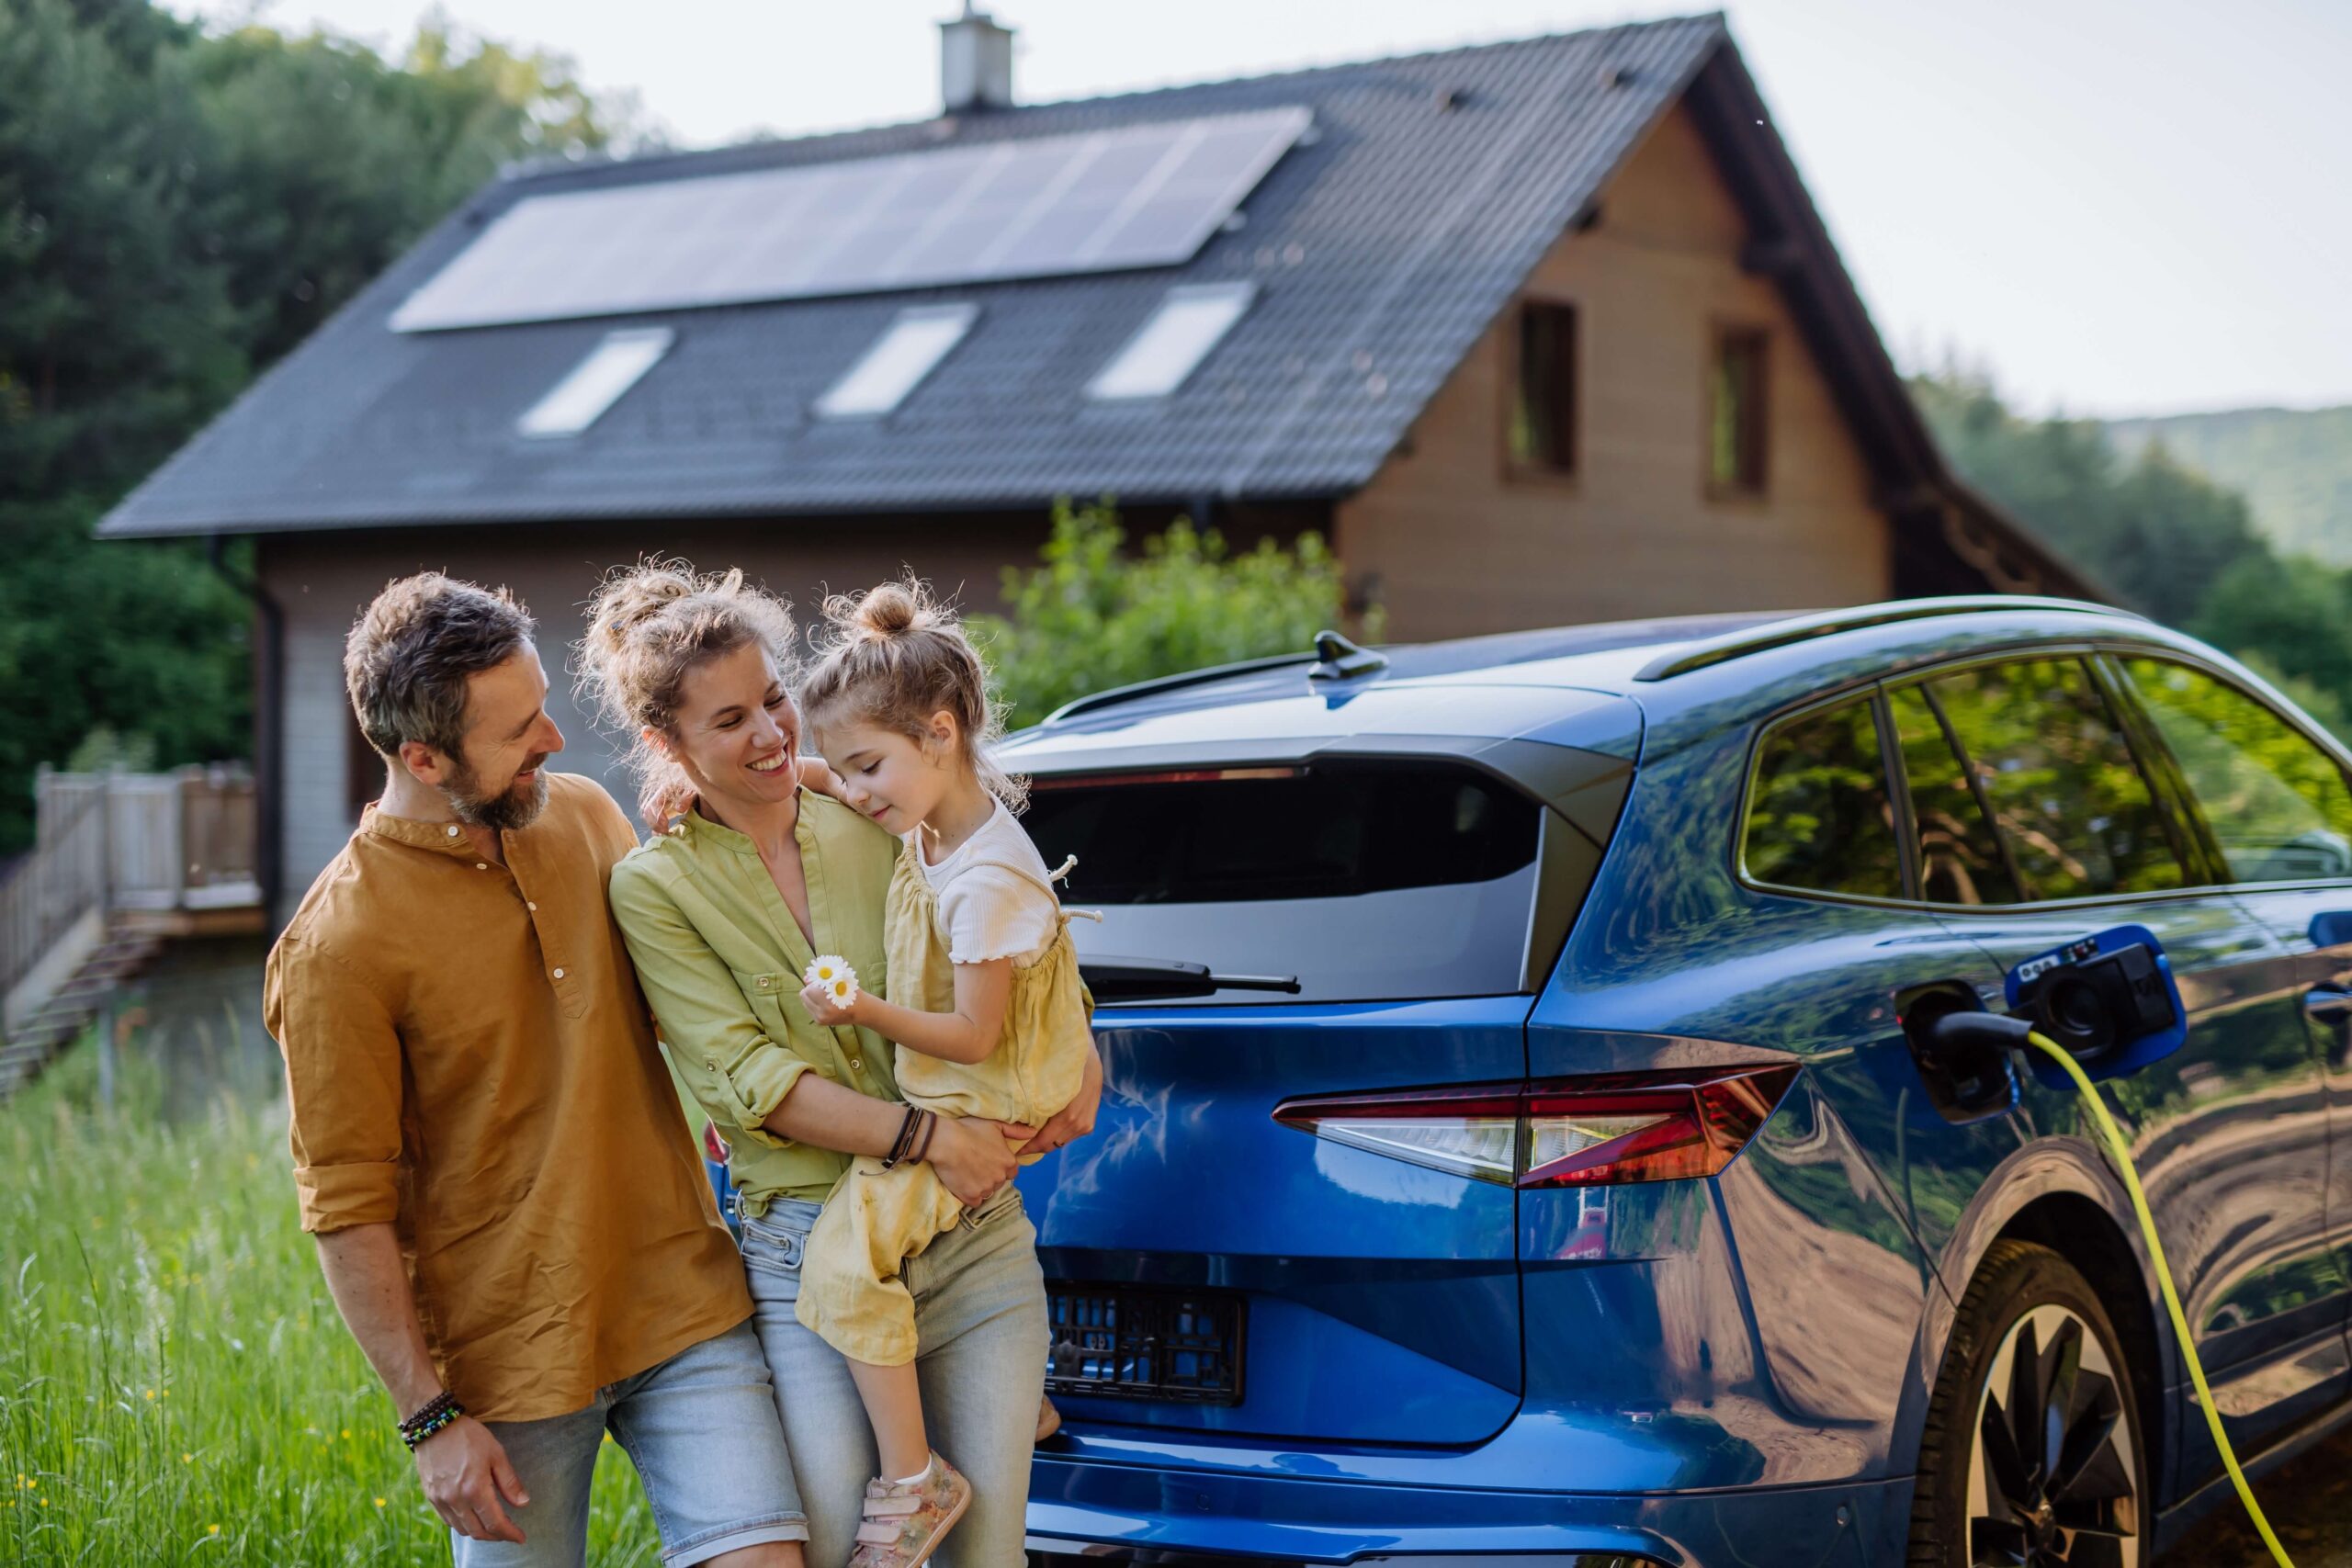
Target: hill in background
[2293,466]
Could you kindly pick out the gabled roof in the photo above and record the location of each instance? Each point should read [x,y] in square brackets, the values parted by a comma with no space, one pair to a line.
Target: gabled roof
[1380,247]
[1428,190]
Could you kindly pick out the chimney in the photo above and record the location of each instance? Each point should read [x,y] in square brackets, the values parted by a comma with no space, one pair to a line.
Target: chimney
[975,63]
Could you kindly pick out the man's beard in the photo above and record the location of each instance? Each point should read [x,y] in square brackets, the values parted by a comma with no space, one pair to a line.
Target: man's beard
[505,810]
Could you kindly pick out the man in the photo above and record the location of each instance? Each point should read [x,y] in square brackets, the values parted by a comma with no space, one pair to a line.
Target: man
[509,1208]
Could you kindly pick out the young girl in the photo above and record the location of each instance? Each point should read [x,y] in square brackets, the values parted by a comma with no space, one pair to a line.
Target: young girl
[983,1002]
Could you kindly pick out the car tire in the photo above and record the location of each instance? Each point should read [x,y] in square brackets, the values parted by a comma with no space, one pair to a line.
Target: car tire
[2033,1354]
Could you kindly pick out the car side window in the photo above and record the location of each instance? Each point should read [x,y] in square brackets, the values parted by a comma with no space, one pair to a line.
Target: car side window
[1820,817]
[2276,804]
[2074,811]
[1960,858]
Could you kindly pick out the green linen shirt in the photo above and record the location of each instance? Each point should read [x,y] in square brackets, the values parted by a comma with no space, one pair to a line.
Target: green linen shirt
[720,958]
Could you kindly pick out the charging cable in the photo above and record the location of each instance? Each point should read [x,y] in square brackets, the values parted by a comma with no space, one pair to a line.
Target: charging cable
[2010,1031]
[2113,1137]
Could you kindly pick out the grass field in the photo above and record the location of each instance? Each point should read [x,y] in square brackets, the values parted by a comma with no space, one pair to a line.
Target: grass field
[175,1385]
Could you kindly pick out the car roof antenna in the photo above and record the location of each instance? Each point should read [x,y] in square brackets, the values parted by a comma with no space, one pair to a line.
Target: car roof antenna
[1336,658]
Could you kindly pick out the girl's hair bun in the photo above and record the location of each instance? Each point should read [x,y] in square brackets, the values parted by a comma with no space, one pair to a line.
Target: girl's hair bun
[892,609]
[895,654]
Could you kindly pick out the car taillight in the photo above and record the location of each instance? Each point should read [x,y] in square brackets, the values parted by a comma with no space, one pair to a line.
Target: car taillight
[1584,1131]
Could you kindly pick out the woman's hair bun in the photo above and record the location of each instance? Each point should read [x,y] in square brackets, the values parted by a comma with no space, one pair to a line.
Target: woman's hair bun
[630,598]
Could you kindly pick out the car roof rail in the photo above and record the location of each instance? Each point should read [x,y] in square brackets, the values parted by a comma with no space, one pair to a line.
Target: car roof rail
[1117,695]
[1827,623]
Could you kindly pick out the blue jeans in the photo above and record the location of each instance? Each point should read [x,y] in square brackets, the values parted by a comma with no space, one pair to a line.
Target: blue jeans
[702,1429]
[980,1332]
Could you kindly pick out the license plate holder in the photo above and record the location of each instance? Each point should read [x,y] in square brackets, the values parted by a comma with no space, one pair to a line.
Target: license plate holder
[1172,1345]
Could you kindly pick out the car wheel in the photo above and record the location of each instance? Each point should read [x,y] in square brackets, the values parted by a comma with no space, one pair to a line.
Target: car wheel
[2033,1453]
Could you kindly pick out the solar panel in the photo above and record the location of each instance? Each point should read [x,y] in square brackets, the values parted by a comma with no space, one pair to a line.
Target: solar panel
[1144,196]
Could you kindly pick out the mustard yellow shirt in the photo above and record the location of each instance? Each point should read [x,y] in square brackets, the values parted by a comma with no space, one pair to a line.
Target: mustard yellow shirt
[469,1062]
[720,958]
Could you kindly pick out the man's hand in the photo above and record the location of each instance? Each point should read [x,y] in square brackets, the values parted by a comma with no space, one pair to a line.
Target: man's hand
[1075,1119]
[973,1156]
[469,1481]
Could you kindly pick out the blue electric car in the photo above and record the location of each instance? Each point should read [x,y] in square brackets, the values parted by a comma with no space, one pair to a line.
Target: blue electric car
[1514,1146]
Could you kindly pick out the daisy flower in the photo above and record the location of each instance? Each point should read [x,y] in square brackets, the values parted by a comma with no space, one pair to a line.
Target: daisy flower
[833,972]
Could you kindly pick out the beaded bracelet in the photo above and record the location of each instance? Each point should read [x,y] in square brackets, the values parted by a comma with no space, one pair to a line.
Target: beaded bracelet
[438,1412]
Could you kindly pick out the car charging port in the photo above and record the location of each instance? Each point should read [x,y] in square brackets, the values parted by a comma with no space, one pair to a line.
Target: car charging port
[1966,1072]
[2109,1001]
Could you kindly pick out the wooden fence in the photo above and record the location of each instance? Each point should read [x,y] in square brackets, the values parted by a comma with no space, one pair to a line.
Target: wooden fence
[109,843]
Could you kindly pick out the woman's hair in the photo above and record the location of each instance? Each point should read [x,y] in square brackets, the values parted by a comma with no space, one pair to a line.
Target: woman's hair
[894,656]
[649,626]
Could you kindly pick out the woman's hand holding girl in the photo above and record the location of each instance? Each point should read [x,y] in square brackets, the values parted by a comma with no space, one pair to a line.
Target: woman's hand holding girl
[974,1158]
[1073,1120]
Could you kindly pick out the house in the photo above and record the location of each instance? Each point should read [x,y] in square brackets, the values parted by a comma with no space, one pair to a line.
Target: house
[1536,333]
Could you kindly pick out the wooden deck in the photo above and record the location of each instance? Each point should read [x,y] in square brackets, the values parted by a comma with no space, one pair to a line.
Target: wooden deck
[122,864]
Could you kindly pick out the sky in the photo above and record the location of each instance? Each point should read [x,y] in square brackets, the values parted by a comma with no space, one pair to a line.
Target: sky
[2111,207]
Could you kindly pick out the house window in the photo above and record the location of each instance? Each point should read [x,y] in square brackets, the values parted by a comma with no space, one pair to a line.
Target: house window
[617,362]
[1736,427]
[916,341]
[1192,320]
[1543,405]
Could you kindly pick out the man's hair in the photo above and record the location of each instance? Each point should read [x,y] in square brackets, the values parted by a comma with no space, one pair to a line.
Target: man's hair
[407,658]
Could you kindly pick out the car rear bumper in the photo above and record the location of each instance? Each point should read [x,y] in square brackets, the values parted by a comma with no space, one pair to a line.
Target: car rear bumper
[1142,1513]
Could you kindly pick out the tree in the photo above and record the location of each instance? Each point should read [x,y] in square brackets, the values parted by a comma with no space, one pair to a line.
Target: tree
[177,209]
[2155,531]
[2169,540]
[1089,617]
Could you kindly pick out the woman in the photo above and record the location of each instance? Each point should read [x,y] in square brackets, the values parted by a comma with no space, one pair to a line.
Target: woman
[747,877]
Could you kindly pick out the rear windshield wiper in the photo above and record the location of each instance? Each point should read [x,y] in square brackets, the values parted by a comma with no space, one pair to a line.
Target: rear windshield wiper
[1152,979]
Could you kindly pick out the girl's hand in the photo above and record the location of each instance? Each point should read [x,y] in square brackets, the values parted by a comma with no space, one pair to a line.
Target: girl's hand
[819,1000]
[1075,1119]
[972,1158]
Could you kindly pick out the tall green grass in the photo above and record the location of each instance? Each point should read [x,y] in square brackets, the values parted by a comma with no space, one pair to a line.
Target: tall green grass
[175,1386]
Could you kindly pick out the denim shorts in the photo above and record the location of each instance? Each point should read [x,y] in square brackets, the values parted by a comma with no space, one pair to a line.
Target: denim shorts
[980,1356]
[703,1432]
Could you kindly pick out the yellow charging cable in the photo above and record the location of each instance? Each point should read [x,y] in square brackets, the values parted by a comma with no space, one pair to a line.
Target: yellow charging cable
[2113,1137]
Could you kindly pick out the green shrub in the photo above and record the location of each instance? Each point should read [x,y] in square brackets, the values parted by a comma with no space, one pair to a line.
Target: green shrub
[1091,617]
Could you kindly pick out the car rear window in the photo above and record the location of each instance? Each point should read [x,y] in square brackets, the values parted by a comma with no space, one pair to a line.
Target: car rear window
[1363,882]
[1819,817]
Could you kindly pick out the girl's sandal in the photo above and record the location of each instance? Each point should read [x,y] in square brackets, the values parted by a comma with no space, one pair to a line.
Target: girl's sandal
[905,1520]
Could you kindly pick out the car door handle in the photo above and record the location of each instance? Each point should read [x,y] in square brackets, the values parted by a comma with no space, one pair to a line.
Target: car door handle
[2327,1003]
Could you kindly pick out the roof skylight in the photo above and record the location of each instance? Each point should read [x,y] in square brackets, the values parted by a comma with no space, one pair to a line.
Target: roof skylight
[1191,322]
[597,382]
[914,346]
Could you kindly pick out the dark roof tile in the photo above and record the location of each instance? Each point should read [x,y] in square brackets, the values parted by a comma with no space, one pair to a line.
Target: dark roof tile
[1382,248]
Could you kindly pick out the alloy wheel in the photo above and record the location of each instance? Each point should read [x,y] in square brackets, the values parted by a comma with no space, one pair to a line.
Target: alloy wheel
[2052,1479]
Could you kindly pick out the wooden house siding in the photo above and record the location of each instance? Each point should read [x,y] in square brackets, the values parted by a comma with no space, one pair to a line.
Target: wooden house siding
[1454,543]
